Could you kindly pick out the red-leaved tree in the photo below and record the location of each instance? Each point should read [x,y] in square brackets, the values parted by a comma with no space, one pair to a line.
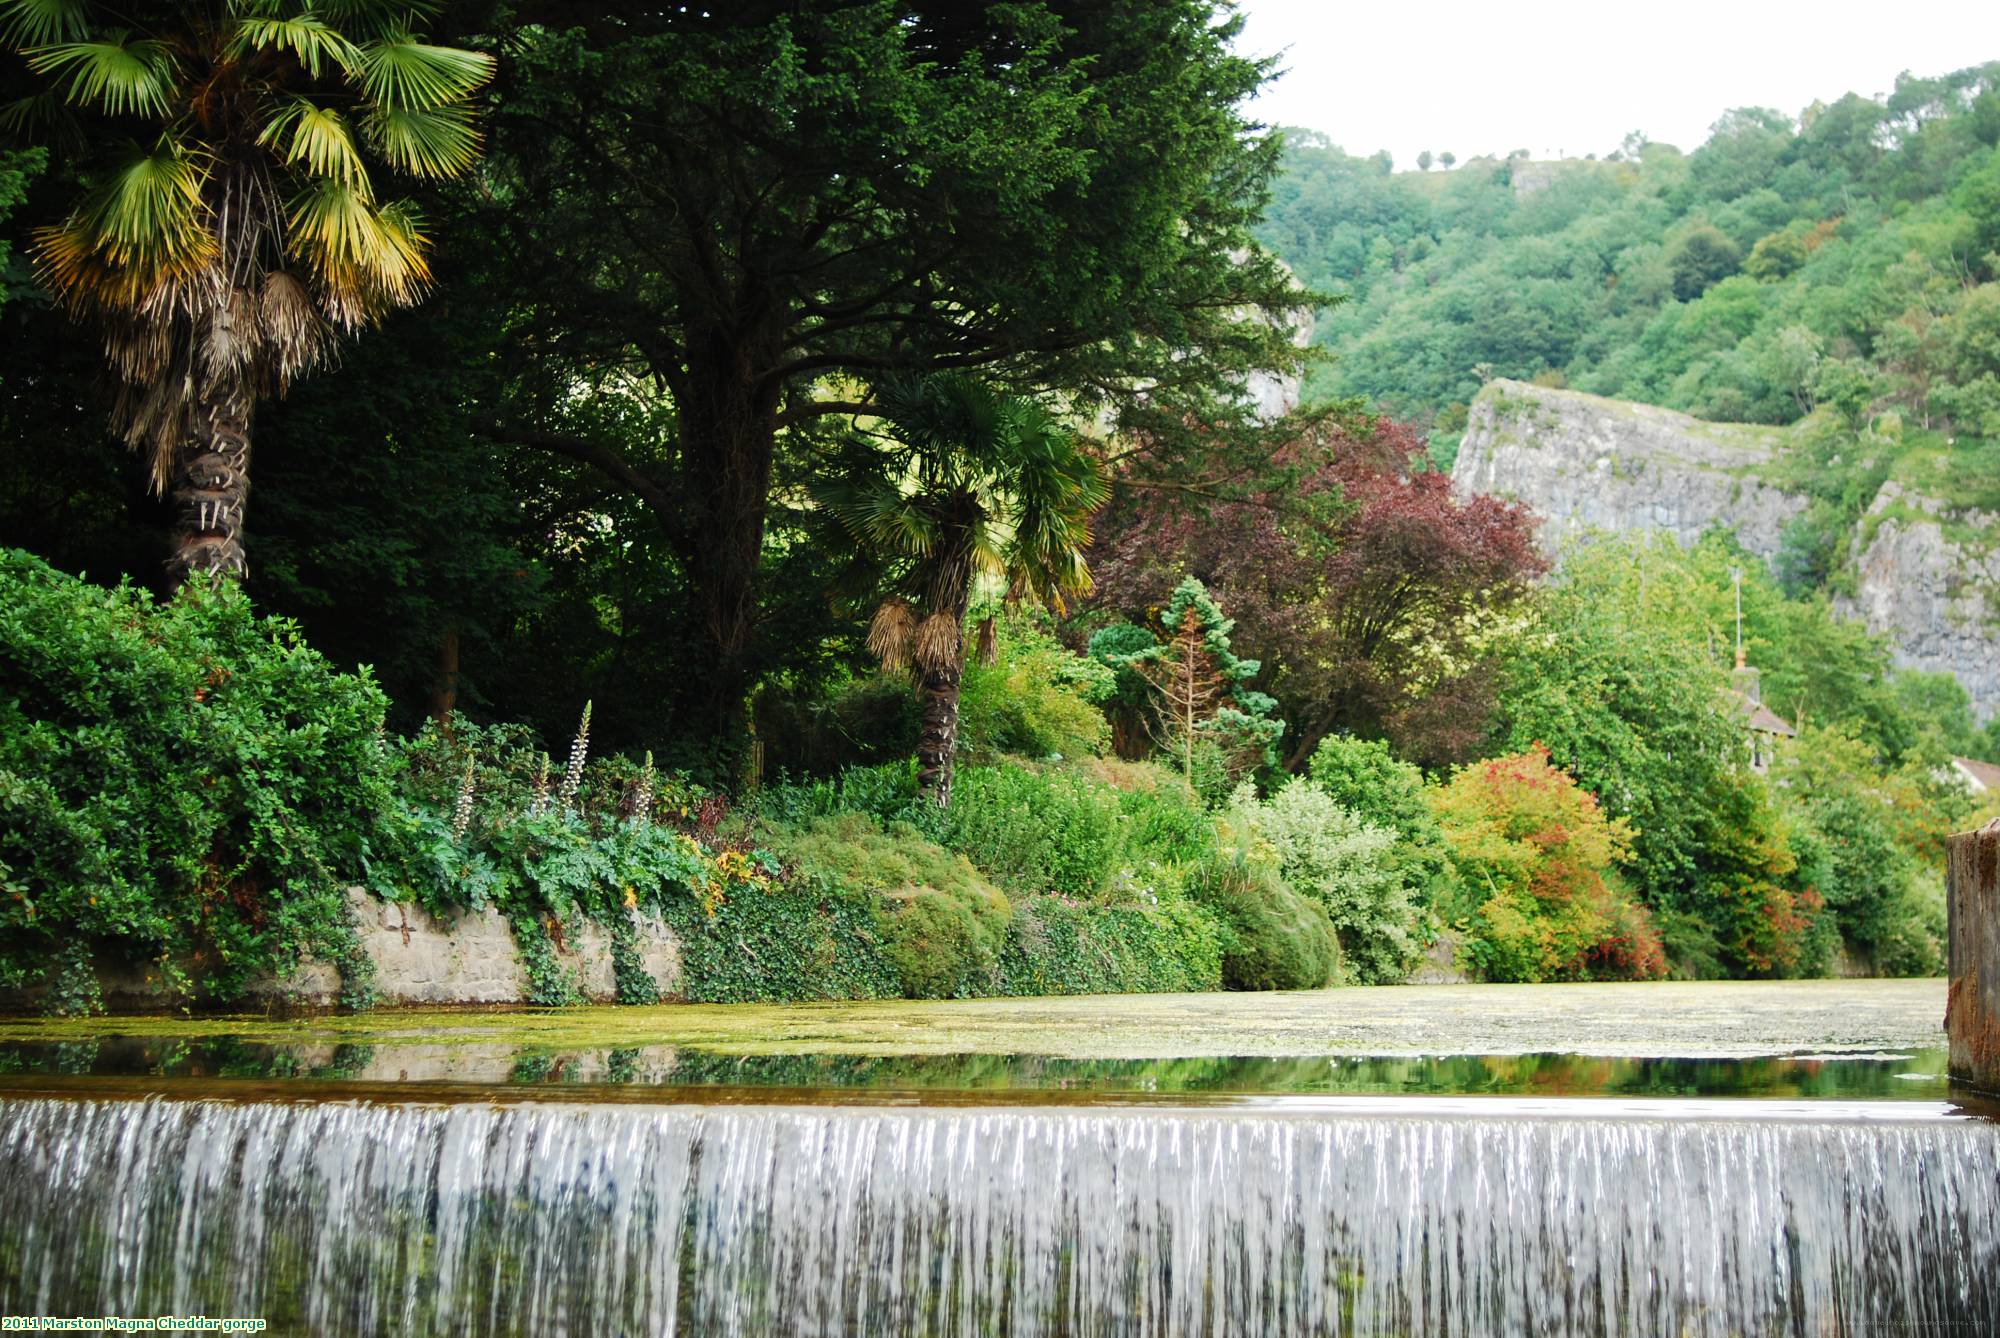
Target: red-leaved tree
[1372,595]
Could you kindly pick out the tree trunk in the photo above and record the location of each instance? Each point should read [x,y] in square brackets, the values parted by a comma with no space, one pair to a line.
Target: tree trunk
[937,739]
[444,692]
[728,429]
[948,593]
[212,484]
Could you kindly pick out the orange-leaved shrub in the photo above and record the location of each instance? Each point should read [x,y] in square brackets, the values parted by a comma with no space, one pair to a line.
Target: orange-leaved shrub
[1539,895]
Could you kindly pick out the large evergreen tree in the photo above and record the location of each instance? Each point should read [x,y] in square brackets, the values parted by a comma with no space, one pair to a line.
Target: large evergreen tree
[743,214]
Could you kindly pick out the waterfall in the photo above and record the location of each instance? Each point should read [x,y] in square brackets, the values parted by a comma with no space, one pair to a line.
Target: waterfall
[345,1217]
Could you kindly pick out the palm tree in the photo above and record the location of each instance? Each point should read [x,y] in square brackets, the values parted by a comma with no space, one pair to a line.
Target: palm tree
[230,230]
[961,480]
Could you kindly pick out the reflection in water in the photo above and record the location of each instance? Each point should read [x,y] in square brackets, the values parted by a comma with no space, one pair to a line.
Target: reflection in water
[531,1218]
[1917,1075]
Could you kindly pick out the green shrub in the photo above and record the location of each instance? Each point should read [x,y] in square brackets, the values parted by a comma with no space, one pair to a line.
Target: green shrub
[1327,854]
[944,945]
[782,943]
[886,791]
[1537,859]
[1273,938]
[182,783]
[1058,946]
[1035,831]
[1037,698]
[1165,820]
[942,925]
[1365,778]
[857,850]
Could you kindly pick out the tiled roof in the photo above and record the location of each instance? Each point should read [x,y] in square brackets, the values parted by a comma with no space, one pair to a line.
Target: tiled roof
[1762,718]
[1985,773]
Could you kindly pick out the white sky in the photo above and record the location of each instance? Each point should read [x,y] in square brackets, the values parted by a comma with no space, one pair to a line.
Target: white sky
[1557,75]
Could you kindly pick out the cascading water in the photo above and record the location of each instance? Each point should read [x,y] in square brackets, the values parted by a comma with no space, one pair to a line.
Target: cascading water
[359,1218]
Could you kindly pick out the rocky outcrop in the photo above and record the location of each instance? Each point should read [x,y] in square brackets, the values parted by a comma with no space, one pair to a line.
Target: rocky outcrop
[1924,579]
[1930,582]
[1585,463]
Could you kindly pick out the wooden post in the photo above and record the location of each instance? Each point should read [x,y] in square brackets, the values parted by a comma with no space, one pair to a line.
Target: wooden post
[1972,1009]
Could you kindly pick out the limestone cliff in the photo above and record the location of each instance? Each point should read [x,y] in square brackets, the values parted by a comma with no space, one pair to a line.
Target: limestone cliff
[1929,580]
[1922,577]
[1585,463]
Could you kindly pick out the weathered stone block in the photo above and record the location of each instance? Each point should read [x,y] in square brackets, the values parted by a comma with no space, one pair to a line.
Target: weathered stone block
[471,957]
[1972,1010]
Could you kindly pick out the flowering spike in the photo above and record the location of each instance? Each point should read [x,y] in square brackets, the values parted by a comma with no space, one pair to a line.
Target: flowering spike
[578,750]
[642,803]
[540,803]
[461,814]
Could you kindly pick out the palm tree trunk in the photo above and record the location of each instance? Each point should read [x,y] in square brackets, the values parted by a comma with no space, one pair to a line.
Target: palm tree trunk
[937,738]
[949,594]
[444,689]
[212,483]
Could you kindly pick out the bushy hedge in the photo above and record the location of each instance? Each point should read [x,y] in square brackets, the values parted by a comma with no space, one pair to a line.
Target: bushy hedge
[1057,946]
[185,784]
[1035,831]
[941,923]
[1273,938]
[1331,857]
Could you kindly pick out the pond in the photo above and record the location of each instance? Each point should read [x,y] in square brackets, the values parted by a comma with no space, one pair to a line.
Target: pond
[1590,1159]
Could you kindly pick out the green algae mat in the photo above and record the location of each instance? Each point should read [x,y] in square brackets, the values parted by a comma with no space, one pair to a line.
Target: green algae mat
[1831,1038]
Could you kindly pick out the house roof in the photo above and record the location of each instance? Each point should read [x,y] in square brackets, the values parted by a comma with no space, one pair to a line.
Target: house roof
[1762,718]
[1984,775]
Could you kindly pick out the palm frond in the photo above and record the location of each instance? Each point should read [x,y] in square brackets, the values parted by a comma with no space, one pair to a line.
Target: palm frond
[32,23]
[43,117]
[145,228]
[152,416]
[878,513]
[296,339]
[409,75]
[227,341]
[366,258]
[319,140]
[376,16]
[118,75]
[306,36]
[945,416]
[890,633]
[435,142]
[939,643]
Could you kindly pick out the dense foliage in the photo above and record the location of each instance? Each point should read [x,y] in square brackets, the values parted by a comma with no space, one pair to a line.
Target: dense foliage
[852,404]
[186,785]
[1367,591]
[1624,677]
[1838,269]
[1848,252]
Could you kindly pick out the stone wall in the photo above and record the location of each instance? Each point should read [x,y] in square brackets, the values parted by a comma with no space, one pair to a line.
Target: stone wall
[1972,1013]
[466,958]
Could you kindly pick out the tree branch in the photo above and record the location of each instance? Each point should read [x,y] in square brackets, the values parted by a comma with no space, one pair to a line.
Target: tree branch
[820,409]
[601,458]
